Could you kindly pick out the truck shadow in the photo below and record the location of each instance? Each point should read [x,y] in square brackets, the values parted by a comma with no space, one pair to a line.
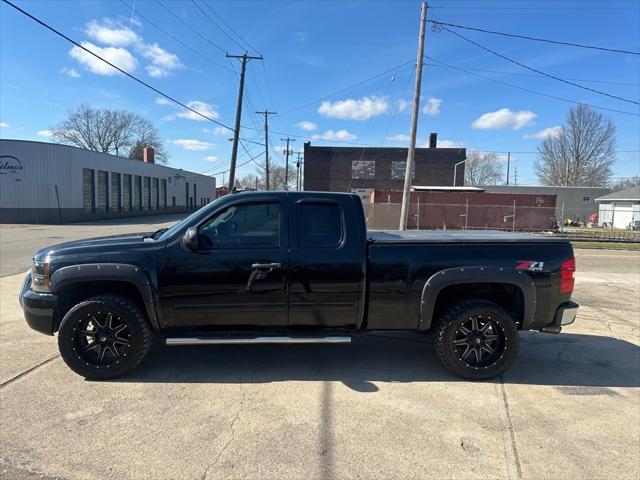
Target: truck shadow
[567,360]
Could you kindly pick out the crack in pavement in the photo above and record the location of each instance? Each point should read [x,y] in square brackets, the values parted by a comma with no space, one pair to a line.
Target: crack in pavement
[513,450]
[231,438]
[28,371]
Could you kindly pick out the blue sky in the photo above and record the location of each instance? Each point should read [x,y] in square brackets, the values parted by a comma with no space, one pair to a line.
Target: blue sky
[313,49]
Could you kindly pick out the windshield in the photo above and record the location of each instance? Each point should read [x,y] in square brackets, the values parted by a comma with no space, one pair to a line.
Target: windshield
[185,221]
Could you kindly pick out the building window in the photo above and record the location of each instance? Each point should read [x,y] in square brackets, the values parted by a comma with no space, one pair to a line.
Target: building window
[146,196]
[398,169]
[88,190]
[155,197]
[163,192]
[586,199]
[103,189]
[319,225]
[137,192]
[363,169]
[115,192]
[126,192]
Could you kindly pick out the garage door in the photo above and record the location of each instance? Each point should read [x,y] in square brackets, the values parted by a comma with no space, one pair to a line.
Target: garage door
[622,215]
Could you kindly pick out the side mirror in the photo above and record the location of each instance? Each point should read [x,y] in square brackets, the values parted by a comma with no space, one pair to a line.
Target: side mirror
[190,239]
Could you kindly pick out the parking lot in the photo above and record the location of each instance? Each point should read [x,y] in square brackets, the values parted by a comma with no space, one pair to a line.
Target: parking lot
[382,407]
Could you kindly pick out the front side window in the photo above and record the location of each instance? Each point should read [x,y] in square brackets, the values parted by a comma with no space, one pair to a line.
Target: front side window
[246,225]
[319,225]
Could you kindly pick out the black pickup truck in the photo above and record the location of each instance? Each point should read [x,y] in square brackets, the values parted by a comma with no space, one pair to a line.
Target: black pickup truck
[297,267]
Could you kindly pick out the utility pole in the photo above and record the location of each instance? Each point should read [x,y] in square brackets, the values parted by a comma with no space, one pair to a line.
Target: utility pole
[508,164]
[404,210]
[266,114]
[286,162]
[298,179]
[236,133]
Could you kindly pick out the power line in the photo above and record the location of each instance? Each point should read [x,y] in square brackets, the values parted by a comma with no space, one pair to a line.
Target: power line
[521,74]
[231,28]
[362,82]
[530,90]
[177,17]
[216,25]
[535,39]
[146,19]
[536,70]
[133,77]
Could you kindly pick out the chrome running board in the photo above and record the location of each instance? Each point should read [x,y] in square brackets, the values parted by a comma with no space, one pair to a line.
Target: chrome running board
[176,341]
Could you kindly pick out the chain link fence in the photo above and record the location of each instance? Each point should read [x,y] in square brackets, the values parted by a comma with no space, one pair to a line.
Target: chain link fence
[572,223]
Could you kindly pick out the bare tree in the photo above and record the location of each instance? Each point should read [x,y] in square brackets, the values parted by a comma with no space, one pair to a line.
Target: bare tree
[580,153]
[276,178]
[116,132]
[482,169]
[626,183]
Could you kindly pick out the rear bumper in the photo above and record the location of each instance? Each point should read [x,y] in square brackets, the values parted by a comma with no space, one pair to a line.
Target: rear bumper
[566,314]
[38,308]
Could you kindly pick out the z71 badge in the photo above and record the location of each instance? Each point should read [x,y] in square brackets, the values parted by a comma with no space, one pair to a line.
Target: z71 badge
[529,265]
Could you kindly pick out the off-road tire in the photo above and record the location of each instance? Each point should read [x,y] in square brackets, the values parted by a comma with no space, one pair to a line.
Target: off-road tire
[127,311]
[447,329]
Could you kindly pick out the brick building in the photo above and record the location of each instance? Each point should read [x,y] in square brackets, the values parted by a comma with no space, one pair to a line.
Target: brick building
[364,170]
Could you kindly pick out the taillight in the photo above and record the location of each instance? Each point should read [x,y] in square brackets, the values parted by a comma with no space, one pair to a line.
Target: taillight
[567,280]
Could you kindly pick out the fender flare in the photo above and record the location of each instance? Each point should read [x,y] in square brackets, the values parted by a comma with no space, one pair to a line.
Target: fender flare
[119,272]
[456,276]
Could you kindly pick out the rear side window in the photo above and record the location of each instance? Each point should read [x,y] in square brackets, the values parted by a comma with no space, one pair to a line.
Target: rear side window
[319,225]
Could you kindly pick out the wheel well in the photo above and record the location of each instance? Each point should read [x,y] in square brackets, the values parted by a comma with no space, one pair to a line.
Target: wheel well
[506,295]
[75,293]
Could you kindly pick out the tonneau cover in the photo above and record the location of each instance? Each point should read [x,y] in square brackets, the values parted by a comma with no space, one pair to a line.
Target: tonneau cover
[457,236]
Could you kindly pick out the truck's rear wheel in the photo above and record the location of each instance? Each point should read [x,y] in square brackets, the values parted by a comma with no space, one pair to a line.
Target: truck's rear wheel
[104,337]
[476,340]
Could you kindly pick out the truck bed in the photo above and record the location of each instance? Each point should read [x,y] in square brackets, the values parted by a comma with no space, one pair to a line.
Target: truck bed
[457,236]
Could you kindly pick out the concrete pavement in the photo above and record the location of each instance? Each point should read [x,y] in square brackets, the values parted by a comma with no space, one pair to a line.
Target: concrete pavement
[382,407]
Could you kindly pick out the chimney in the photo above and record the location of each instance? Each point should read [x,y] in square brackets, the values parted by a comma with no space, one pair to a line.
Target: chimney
[148,155]
[433,140]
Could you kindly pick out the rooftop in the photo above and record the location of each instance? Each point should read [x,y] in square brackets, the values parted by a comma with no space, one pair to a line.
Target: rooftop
[630,194]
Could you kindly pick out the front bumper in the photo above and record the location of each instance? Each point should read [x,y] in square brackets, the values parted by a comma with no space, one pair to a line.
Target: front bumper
[38,308]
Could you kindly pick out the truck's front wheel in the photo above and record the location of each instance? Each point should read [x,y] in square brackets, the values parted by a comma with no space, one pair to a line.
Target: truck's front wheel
[104,337]
[476,340]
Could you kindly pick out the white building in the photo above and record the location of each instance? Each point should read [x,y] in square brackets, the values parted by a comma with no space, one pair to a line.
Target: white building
[619,209]
[52,183]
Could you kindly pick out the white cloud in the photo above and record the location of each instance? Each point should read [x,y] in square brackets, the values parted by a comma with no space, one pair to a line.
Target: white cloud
[71,72]
[45,133]
[331,135]
[504,118]
[202,107]
[400,137]
[403,105]
[193,145]
[542,134]
[211,158]
[432,106]
[448,144]
[162,61]
[4,125]
[163,101]
[307,126]
[351,109]
[110,33]
[117,56]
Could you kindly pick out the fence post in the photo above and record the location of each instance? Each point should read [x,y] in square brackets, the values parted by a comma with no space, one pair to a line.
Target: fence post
[466,215]
[562,219]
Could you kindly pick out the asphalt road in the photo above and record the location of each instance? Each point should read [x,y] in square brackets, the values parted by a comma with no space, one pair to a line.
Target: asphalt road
[382,407]
[18,243]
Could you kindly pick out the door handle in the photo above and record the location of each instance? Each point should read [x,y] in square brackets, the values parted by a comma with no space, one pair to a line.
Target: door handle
[270,266]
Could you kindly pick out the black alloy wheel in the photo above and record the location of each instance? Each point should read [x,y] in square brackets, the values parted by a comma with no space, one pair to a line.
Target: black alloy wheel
[104,337]
[476,339]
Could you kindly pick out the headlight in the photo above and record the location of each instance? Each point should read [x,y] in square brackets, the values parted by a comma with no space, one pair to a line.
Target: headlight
[40,277]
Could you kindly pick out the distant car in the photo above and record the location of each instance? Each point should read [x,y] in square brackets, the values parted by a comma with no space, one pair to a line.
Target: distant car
[634,225]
